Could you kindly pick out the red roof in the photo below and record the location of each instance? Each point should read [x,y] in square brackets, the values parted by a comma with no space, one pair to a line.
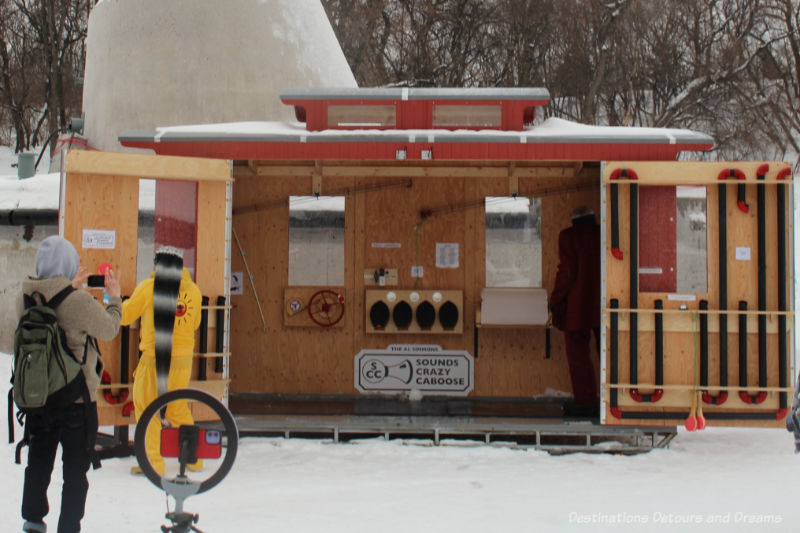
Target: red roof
[418,124]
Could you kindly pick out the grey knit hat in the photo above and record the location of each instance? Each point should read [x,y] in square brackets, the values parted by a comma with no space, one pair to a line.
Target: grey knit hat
[56,257]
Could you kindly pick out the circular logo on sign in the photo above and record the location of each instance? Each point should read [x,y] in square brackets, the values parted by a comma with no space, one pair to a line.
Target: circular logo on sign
[374,371]
[295,305]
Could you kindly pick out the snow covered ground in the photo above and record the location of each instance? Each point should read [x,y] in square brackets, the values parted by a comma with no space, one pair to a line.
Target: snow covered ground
[38,192]
[717,480]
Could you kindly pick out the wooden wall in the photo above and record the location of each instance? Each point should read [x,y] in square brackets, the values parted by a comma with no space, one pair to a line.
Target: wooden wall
[681,319]
[101,192]
[418,205]
[384,205]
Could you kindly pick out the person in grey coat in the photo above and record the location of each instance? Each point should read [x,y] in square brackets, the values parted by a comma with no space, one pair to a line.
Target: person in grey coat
[74,427]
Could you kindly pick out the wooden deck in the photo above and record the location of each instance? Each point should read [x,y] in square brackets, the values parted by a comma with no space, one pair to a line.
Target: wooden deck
[538,424]
[521,423]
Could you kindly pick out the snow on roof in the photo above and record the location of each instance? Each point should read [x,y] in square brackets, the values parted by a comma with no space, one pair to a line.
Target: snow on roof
[416,93]
[553,130]
[41,191]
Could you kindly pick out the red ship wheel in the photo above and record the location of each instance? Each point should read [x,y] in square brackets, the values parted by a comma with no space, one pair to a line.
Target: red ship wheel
[326,308]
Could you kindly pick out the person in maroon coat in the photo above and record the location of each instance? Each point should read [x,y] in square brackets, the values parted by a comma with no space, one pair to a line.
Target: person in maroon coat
[575,302]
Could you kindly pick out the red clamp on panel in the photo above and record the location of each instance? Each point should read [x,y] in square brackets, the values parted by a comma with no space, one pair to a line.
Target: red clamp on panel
[616,412]
[743,207]
[108,395]
[616,174]
[781,414]
[762,170]
[731,173]
[739,175]
[127,409]
[623,173]
[647,398]
[783,173]
[754,399]
[718,400]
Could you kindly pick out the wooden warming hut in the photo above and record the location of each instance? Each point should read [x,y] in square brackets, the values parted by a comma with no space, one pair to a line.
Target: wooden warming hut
[392,252]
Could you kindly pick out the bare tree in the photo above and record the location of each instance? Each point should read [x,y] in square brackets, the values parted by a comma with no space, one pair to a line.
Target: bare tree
[363,31]
[777,78]
[730,68]
[54,34]
[415,42]
[727,67]
[17,76]
[519,44]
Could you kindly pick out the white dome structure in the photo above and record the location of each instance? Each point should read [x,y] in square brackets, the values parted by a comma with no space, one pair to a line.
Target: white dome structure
[164,63]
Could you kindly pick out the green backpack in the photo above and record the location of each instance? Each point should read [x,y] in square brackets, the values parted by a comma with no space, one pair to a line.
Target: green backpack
[46,376]
[46,373]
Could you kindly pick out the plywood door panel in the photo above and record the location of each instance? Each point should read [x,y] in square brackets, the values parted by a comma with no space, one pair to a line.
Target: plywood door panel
[102,193]
[210,255]
[99,202]
[681,353]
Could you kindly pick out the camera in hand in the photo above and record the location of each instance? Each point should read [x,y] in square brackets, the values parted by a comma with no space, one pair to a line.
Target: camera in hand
[96,281]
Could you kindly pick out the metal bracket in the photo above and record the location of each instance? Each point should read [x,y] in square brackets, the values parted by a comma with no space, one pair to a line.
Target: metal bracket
[316,179]
[513,181]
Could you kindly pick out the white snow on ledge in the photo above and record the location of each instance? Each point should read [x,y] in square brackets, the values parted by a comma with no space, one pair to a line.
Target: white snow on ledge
[551,128]
[37,192]
[40,191]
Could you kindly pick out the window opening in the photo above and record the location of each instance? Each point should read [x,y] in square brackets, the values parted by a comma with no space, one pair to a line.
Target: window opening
[316,240]
[513,241]
[672,239]
[362,116]
[489,116]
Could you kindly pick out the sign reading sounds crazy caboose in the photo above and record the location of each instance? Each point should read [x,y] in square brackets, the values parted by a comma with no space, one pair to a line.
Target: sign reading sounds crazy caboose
[422,367]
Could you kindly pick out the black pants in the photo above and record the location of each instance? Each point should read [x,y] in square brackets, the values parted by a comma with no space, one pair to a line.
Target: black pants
[68,427]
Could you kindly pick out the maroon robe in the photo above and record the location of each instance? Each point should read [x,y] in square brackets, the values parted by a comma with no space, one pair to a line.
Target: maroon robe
[575,302]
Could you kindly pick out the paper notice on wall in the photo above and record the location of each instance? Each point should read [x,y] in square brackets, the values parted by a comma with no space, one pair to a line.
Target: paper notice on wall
[101,239]
[743,253]
[446,255]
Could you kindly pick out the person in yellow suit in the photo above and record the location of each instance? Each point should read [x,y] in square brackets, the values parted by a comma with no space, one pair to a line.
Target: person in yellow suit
[186,321]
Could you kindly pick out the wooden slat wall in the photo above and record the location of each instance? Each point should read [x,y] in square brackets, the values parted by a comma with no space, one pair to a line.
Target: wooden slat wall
[105,203]
[315,360]
[102,192]
[681,340]
[210,267]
